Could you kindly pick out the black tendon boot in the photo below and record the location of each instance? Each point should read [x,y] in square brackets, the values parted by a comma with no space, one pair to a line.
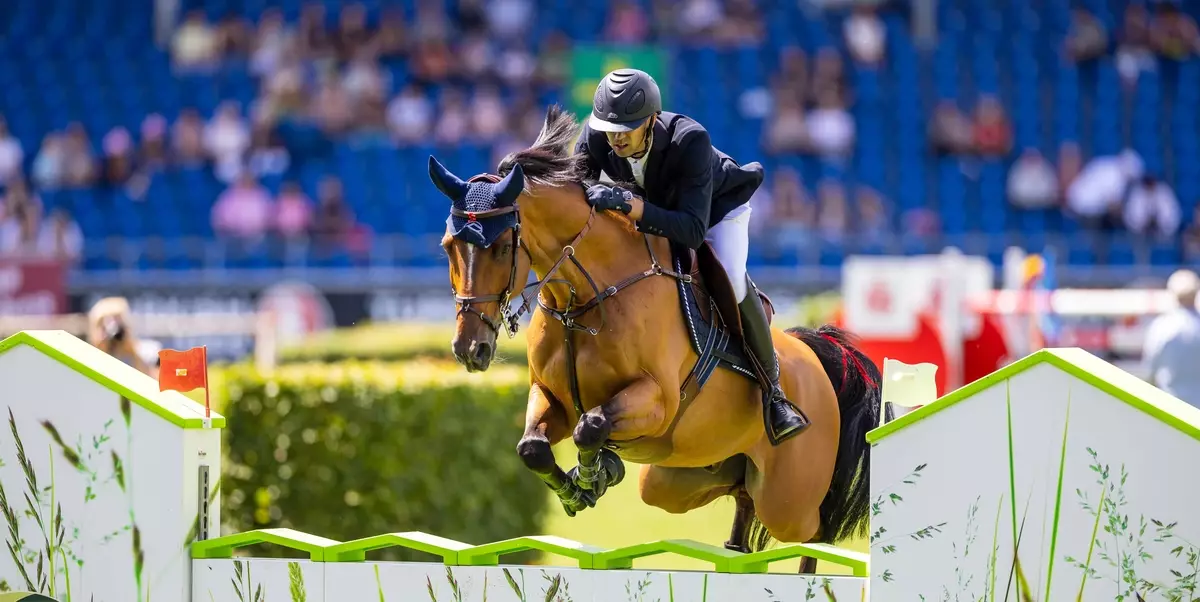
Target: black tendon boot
[781,419]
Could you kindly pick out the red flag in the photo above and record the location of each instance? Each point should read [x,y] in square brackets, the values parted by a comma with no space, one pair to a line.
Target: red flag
[182,370]
[185,371]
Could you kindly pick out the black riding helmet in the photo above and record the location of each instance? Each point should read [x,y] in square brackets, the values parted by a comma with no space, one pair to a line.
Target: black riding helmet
[624,100]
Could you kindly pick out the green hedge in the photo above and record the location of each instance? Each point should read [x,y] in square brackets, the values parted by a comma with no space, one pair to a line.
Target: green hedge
[355,449]
[407,341]
[395,342]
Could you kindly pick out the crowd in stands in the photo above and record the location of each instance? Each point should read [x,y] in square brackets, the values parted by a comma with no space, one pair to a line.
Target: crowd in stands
[481,72]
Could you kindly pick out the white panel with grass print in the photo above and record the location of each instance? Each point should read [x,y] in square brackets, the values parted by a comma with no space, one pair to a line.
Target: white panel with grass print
[140,472]
[965,450]
[263,580]
[403,582]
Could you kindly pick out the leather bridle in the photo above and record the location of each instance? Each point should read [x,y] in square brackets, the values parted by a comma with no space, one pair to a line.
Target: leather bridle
[568,316]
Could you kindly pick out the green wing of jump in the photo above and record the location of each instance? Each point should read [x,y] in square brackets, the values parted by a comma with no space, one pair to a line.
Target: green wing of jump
[622,558]
[757,562]
[356,550]
[222,547]
[489,554]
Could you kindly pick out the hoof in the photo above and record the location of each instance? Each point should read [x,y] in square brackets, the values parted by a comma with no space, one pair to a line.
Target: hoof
[736,547]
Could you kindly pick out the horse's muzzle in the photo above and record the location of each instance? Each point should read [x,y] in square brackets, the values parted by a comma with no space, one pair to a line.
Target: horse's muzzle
[475,355]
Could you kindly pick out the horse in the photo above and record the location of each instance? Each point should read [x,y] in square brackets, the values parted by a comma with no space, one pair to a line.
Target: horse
[637,361]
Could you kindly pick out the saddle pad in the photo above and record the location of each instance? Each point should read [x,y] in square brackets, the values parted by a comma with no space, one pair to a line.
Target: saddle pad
[725,349]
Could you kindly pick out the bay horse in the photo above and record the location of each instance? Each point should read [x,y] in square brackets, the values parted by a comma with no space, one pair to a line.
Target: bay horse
[625,358]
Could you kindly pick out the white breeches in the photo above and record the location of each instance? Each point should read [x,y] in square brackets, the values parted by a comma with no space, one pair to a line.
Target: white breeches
[730,238]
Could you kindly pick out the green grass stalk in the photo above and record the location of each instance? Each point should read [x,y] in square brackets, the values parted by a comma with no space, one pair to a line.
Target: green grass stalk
[1087,563]
[1062,466]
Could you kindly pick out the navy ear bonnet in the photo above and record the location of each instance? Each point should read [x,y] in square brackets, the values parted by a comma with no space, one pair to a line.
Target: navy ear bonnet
[478,197]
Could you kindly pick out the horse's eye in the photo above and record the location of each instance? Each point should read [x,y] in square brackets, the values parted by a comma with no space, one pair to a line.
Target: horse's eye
[504,249]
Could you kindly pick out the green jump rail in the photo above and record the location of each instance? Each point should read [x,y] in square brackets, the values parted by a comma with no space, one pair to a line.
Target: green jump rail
[456,553]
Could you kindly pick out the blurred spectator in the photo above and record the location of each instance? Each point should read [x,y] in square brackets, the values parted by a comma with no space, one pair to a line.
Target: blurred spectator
[831,129]
[364,78]
[315,41]
[1152,208]
[353,37]
[471,17]
[243,211]
[921,222]
[12,155]
[453,122]
[392,39]
[1133,50]
[19,230]
[234,36]
[187,140]
[697,20]
[516,64]
[793,213]
[1095,195]
[432,61]
[331,107]
[1070,163]
[410,114]
[992,130]
[829,78]
[477,56]
[1087,38]
[334,221]
[1175,35]
[865,35]
[874,221]
[950,132]
[61,238]
[226,139]
[554,60]
[118,157]
[1032,183]
[832,215]
[488,118]
[742,25]
[152,154]
[786,130]
[1173,340]
[50,165]
[271,41]
[293,212]
[267,154]
[792,78]
[18,195]
[80,160]
[110,329]
[195,47]
[627,23]
[432,22]
[510,19]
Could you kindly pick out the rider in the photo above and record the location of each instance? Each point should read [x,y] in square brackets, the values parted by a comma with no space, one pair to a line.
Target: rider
[688,192]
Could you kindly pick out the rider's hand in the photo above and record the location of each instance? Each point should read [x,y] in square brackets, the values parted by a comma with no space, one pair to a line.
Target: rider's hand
[604,197]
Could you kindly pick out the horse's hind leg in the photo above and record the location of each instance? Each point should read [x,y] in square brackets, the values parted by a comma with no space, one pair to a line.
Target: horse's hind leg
[743,518]
[545,426]
[637,411]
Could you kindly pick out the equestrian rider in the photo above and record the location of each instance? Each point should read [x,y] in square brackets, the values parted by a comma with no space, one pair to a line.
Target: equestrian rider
[688,192]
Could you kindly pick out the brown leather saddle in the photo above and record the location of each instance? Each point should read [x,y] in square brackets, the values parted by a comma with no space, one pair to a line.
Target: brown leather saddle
[710,281]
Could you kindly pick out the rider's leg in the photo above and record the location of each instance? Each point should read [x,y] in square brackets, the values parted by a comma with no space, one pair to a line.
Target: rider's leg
[730,239]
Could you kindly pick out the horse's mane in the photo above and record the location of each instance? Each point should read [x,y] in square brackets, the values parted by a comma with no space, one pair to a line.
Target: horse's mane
[551,160]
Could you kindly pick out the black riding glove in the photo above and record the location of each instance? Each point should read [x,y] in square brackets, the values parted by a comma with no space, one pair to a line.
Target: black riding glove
[604,197]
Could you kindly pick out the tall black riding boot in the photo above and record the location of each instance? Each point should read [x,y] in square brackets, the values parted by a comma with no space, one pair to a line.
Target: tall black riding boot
[781,419]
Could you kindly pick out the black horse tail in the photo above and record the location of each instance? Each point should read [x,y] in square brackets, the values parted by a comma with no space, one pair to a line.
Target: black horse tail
[845,511]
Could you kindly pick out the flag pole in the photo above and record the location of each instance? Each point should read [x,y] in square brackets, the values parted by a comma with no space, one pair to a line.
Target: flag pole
[207,405]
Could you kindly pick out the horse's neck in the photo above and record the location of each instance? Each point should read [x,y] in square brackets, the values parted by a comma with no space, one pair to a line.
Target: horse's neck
[611,251]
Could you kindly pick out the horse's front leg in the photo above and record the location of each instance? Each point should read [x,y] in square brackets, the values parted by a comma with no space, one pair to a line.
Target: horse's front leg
[545,426]
[637,411]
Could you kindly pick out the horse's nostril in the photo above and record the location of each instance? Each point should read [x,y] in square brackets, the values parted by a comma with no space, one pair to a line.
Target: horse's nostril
[483,352]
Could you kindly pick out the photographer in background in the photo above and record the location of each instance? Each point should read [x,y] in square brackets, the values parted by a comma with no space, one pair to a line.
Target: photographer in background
[109,329]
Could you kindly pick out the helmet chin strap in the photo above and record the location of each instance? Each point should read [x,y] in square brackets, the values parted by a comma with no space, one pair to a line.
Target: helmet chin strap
[647,141]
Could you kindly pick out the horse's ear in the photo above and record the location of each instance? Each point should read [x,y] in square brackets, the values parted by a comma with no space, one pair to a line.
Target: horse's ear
[508,189]
[450,185]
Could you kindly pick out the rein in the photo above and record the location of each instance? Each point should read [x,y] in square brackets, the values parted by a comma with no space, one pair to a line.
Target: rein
[569,315]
